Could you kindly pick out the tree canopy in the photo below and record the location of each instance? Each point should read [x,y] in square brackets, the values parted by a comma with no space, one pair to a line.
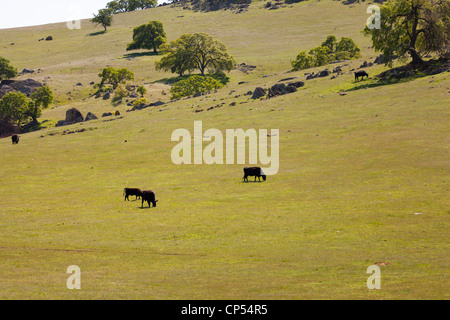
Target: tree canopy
[330,50]
[196,51]
[148,36]
[16,107]
[115,77]
[119,6]
[40,99]
[412,27]
[104,18]
[7,71]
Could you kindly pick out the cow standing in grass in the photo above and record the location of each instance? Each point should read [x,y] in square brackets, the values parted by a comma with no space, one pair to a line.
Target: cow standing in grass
[148,196]
[254,172]
[15,139]
[131,192]
[361,74]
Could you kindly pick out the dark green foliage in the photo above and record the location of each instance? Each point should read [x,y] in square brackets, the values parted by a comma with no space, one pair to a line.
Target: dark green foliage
[148,36]
[331,50]
[7,71]
[114,77]
[194,84]
[104,18]
[412,27]
[196,51]
[119,6]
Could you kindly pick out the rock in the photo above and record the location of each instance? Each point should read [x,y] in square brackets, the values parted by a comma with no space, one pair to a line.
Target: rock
[107,114]
[73,116]
[90,116]
[337,70]
[49,38]
[27,87]
[27,71]
[79,84]
[117,113]
[61,123]
[106,96]
[324,73]
[156,104]
[92,83]
[311,76]
[259,93]
[364,65]
[297,84]
[280,89]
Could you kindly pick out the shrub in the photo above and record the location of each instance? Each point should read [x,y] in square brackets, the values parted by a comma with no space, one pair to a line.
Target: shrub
[194,84]
[329,51]
[140,101]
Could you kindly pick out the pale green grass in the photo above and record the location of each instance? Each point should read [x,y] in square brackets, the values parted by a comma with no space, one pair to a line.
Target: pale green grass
[353,171]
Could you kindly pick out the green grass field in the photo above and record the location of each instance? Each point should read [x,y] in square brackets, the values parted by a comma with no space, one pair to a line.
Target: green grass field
[354,170]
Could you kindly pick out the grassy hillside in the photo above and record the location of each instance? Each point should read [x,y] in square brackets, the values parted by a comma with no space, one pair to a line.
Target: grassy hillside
[353,171]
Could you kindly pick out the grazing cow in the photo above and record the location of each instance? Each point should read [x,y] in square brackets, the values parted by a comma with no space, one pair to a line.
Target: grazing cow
[131,192]
[15,139]
[254,172]
[361,74]
[148,196]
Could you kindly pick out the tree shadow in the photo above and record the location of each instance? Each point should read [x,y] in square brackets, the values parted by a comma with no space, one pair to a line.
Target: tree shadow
[140,54]
[172,80]
[93,34]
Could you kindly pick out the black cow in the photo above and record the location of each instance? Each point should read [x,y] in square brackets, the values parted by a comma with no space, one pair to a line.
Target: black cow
[254,172]
[131,192]
[148,196]
[361,74]
[15,139]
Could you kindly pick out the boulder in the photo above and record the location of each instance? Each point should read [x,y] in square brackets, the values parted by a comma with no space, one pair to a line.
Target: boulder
[156,104]
[324,73]
[49,38]
[297,84]
[61,123]
[280,89]
[90,116]
[74,116]
[27,87]
[27,70]
[117,113]
[259,93]
[107,114]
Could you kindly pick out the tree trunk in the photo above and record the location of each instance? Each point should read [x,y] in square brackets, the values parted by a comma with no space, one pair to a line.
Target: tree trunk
[416,58]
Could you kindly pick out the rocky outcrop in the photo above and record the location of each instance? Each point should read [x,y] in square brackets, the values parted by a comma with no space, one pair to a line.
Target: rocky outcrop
[27,87]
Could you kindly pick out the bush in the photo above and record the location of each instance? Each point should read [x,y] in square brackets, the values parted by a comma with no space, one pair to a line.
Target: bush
[329,51]
[193,85]
[140,101]
[120,93]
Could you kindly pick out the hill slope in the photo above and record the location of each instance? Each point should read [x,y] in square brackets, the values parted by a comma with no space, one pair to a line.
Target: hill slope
[353,171]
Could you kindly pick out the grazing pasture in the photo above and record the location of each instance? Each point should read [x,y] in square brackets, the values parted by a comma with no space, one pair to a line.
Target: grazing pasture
[354,171]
